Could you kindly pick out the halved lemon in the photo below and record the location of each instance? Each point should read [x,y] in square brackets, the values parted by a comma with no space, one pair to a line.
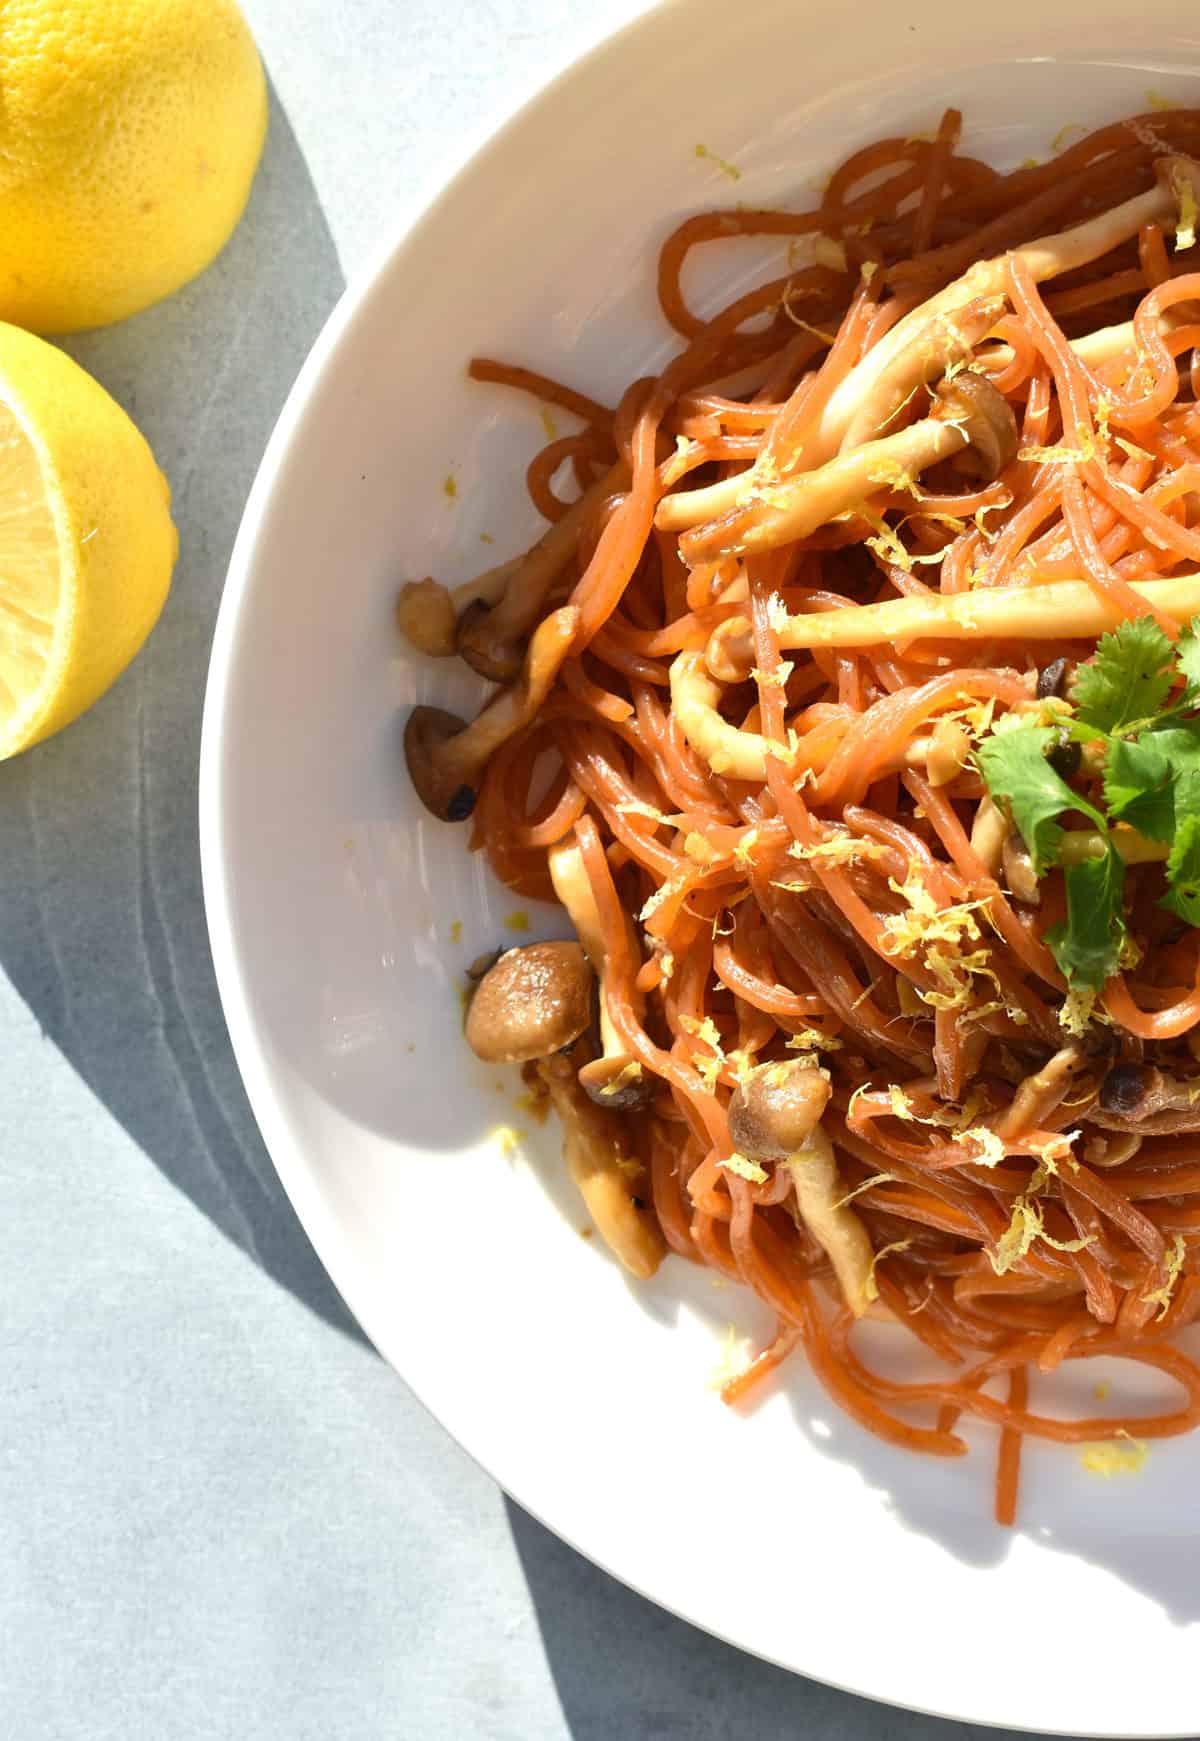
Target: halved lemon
[87,543]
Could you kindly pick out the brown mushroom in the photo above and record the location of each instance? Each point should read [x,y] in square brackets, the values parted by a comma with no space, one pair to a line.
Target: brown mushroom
[946,343]
[491,632]
[774,1117]
[774,1108]
[428,612]
[446,757]
[534,1001]
[1148,1099]
[598,1160]
[615,1079]
[1039,1093]
[985,414]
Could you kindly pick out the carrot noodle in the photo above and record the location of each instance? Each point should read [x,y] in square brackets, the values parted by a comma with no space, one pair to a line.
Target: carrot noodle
[772,838]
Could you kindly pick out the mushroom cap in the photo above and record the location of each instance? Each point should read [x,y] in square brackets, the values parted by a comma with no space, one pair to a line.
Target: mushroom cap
[534,1001]
[775,1108]
[440,790]
[479,646]
[1126,1087]
[987,418]
[617,1082]
[426,617]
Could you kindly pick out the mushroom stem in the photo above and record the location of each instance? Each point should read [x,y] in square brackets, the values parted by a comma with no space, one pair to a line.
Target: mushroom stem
[1058,610]
[819,1193]
[615,1079]
[775,1116]
[969,413]
[491,637]
[447,757]
[947,342]
[742,755]
[594,1152]
[1048,257]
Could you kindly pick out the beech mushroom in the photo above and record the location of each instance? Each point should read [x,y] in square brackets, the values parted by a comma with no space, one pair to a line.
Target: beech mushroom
[615,1079]
[599,1162]
[446,756]
[532,1006]
[1153,1102]
[428,612]
[491,632]
[968,413]
[531,1002]
[774,1117]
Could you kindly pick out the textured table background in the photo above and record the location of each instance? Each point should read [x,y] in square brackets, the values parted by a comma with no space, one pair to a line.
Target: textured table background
[220,1514]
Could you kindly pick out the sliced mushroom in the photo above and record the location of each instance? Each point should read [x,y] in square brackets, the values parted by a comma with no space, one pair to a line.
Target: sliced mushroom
[615,1079]
[534,1001]
[598,1160]
[491,633]
[774,1117]
[446,757]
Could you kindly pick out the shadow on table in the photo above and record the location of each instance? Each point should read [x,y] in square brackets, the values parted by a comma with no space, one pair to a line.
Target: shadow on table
[102,926]
[673,1680]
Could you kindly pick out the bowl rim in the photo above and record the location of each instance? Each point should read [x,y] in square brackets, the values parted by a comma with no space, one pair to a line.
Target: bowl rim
[254,1065]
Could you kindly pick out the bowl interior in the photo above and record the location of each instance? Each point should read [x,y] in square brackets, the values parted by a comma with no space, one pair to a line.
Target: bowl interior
[343,917]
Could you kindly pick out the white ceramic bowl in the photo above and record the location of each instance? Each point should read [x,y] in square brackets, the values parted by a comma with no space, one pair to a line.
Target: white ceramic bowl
[342,916]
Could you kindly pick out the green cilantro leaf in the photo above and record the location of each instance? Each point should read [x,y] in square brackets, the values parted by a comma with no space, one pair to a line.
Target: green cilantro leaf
[1139,786]
[1014,765]
[1128,679]
[1087,946]
[1183,872]
[1187,651]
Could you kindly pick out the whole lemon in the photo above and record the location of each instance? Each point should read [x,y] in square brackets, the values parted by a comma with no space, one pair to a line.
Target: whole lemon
[130,131]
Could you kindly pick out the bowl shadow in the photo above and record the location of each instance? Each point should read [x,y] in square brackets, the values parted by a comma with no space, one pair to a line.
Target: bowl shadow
[102,928]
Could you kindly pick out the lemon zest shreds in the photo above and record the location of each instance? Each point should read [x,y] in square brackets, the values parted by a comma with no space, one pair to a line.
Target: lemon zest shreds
[728,169]
[776,679]
[1028,1224]
[901,1105]
[743,852]
[838,849]
[708,1065]
[507,1139]
[812,1040]
[866,1185]
[1161,1297]
[777,613]
[871,1286]
[745,1169]
[988,1142]
[1108,1458]
[886,542]
[631,1072]
[1060,453]
[1075,1016]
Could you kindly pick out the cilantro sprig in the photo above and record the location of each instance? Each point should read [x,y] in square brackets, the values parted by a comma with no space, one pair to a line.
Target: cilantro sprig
[1138,702]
